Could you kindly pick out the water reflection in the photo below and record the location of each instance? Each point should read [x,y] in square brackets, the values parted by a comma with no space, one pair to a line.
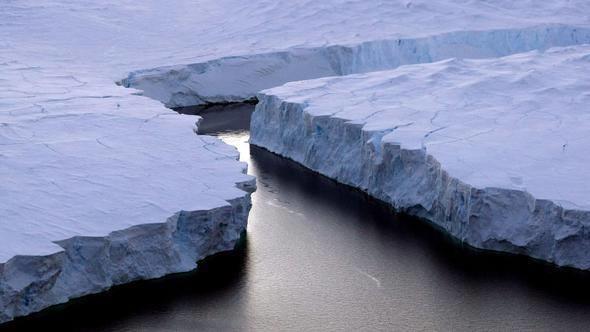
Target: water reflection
[154,305]
[322,256]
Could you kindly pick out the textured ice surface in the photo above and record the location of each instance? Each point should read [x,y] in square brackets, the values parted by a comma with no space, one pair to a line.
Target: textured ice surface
[261,44]
[82,157]
[101,187]
[184,52]
[493,151]
[98,186]
[98,191]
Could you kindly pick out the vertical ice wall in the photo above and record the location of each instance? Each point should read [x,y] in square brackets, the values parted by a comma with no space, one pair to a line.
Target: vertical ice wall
[233,79]
[494,152]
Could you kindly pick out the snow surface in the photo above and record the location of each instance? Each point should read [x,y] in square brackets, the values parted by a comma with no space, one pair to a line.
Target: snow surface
[282,41]
[102,168]
[117,175]
[81,156]
[68,170]
[98,186]
[494,151]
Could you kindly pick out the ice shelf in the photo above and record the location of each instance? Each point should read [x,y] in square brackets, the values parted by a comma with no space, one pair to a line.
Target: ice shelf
[100,186]
[494,152]
[99,190]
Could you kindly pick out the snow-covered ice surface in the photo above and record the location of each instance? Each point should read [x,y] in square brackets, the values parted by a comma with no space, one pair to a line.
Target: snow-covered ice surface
[267,43]
[101,191]
[98,186]
[495,152]
[82,157]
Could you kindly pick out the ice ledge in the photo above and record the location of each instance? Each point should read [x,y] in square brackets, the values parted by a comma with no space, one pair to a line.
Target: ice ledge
[100,191]
[487,150]
[88,265]
[238,78]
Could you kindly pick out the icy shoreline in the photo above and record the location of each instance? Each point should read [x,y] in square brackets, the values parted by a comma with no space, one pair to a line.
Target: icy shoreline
[109,197]
[390,134]
[239,78]
[102,187]
[89,265]
[85,160]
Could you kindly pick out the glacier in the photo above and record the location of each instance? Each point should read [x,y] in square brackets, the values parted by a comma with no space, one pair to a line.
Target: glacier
[102,185]
[493,152]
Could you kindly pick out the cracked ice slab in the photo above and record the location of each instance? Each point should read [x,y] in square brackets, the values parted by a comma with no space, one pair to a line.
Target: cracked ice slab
[282,41]
[185,53]
[98,174]
[86,173]
[104,188]
[495,152]
[99,186]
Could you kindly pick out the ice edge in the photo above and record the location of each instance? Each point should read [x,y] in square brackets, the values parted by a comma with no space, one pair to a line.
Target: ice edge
[412,181]
[239,78]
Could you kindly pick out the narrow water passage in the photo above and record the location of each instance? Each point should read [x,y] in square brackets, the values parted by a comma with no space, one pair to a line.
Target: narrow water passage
[322,256]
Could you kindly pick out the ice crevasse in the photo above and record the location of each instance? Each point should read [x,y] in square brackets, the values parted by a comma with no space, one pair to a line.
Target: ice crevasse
[102,185]
[500,214]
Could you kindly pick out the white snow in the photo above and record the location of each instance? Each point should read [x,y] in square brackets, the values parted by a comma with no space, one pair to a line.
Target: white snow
[87,166]
[98,169]
[98,186]
[493,151]
[282,41]
[227,50]
[116,175]
[82,157]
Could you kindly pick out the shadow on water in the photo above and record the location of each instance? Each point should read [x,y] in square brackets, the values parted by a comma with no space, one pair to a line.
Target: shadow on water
[217,276]
[472,265]
[323,255]
[221,118]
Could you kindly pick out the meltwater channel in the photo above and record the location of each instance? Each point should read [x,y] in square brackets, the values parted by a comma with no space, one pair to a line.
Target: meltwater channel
[322,256]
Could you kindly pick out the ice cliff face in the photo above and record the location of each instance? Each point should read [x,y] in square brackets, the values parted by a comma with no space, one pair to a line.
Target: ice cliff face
[492,151]
[100,190]
[242,48]
[101,186]
[91,264]
[233,79]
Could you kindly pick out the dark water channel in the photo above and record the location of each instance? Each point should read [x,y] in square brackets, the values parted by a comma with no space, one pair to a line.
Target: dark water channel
[321,256]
